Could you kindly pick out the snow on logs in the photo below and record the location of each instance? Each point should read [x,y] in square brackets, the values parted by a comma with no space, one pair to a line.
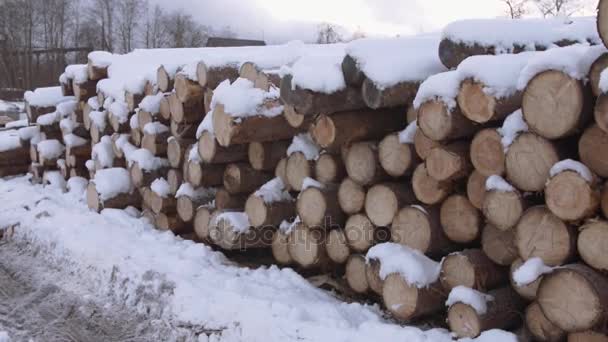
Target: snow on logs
[111,188]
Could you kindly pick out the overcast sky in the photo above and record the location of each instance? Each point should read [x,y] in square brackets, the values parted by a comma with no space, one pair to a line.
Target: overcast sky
[282,20]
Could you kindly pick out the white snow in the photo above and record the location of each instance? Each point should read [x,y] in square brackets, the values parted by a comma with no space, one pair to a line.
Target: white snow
[303,143]
[50,149]
[414,267]
[73,140]
[93,103]
[120,111]
[134,121]
[531,270]
[497,183]
[574,60]
[243,99]
[407,135]
[151,103]
[10,140]
[99,119]
[45,97]
[161,187]
[572,165]
[411,59]
[17,124]
[193,154]
[112,182]
[66,108]
[443,87]
[286,227]
[67,125]
[273,191]
[513,125]
[55,180]
[77,73]
[205,126]
[48,119]
[320,72]
[90,165]
[473,298]
[155,128]
[419,207]
[238,220]
[103,153]
[146,160]
[493,335]
[311,183]
[504,34]
[30,133]
[77,186]
[101,59]
[4,337]
[187,190]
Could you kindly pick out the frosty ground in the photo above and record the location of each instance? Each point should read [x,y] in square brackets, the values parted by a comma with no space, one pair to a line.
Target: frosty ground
[70,274]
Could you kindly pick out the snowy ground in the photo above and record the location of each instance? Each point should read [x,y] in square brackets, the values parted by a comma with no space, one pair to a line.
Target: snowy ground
[91,277]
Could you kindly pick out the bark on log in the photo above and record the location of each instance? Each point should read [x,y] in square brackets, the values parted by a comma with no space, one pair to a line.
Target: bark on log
[363,164]
[188,91]
[96,73]
[427,189]
[338,250]
[571,197]
[473,269]
[268,214]
[242,178]
[460,220]
[351,197]
[33,112]
[476,189]
[504,312]
[555,105]
[297,169]
[84,91]
[406,302]
[540,233]
[341,129]
[212,153]
[438,123]
[384,200]
[529,160]
[13,170]
[588,336]
[266,156]
[19,155]
[176,151]
[541,328]
[159,204]
[449,162]
[267,79]
[487,153]
[419,228]
[400,94]
[307,247]
[593,150]
[503,209]
[211,77]
[478,106]
[397,159]
[329,168]
[574,297]
[186,131]
[355,274]
[319,208]
[593,243]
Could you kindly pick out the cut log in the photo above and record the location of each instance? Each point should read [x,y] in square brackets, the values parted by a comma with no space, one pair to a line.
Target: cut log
[96,73]
[571,197]
[355,274]
[66,88]
[499,245]
[262,213]
[329,168]
[144,118]
[307,247]
[473,269]
[595,72]
[176,151]
[119,201]
[593,150]
[406,302]
[503,312]
[487,153]
[231,130]
[588,336]
[556,105]
[226,235]
[438,123]
[158,204]
[529,161]
[503,209]
[224,200]
[136,136]
[175,178]
[541,328]
[476,189]
[281,172]
[164,80]
[479,106]
[171,223]
[19,155]
[353,76]
[307,102]
[133,100]
[141,177]
[297,169]
[400,94]
[280,248]
[156,143]
[268,79]
[164,112]
[186,112]
[360,233]
[341,129]
[460,220]
[384,200]
[372,273]
[574,297]
[266,156]
[419,228]
[242,178]
[185,131]
[397,159]
[527,291]
[202,223]
[540,233]
[212,153]
[593,243]
[249,71]
[295,119]
[449,162]
[207,99]
[84,91]
[338,250]
[363,164]
[320,208]
[211,77]
[188,91]
[427,189]
[351,197]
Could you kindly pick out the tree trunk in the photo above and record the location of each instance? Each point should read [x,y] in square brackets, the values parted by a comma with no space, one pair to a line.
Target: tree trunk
[319,208]
[400,94]
[351,197]
[588,336]
[156,143]
[202,223]
[473,269]
[212,153]
[242,178]
[397,159]
[295,119]
[187,207]
[406,302]
[184,130]
[119,201]
[438,123]
[384,200]
[133,100]
[266,156]
[84,91]
[164,112]
[461,221]
[529,160]
[227,236]
[141,177]
[487,153]
[478,106]
[352,73]
[171,223]
[427,189]
[419,228]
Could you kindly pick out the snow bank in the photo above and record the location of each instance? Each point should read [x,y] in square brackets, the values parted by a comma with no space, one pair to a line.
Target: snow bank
[531,270]
[513,125]
[161,187]
[155,128]
[443,87]
[238,220]
[11,139]
[414,267]
[407,135]
[187,190]
[151,103]
[303,143]
[273,191]
[243,99]
[45,97]
[475,299]
[505,34]
[497,183]
[50,149]
[111,182]
[103,153]
[320,73]
[4,337]
[572,165]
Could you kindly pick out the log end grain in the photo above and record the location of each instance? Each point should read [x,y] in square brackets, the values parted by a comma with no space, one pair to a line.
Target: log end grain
[396,158]
[529,161]
[570,197]
[351,196]
[355,274]
[487,153]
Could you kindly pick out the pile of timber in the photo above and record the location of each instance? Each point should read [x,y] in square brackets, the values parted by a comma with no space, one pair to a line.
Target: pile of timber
[440,194]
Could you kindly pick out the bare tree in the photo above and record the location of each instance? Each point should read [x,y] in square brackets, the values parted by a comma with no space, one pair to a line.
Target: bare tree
[555,8]
[155,33]
[183,31]
[127,22]
[328,34]
[516,9]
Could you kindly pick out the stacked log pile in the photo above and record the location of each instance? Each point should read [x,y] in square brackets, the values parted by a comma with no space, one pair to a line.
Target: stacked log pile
[472,194]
